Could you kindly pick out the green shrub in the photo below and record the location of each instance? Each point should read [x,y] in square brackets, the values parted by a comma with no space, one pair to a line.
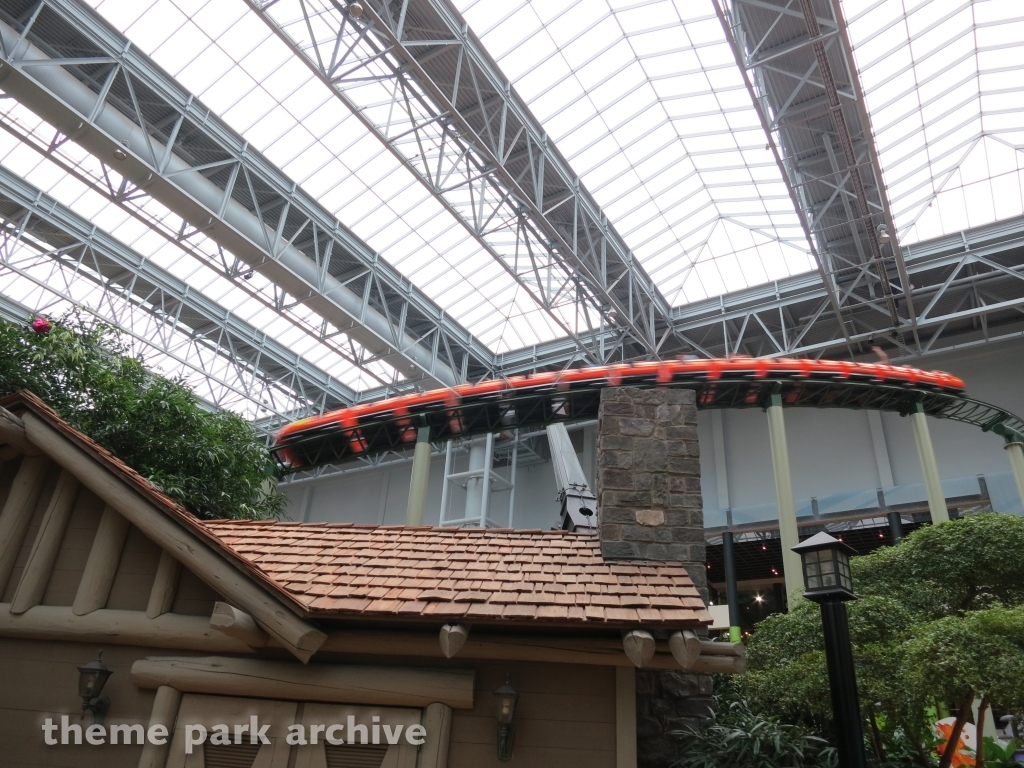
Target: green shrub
[741,738]
[213,463]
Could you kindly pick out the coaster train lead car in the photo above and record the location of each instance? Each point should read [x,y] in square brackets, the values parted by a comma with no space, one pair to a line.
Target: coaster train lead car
[534,400]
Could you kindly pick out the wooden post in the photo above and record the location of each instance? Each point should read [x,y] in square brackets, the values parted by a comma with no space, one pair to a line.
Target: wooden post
[165,712]
[437,719]
[17,512]
[295,633]
[452,638]
[685,647]
[47,544]
[165,586]
[101,567]
[625,717]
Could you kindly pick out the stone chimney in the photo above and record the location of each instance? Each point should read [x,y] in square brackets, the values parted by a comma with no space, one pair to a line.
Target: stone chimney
[649,507]
[649,504]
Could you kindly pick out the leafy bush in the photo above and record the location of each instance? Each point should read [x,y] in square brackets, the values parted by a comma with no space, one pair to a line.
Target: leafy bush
[213,463]
[741,738]
[939,618]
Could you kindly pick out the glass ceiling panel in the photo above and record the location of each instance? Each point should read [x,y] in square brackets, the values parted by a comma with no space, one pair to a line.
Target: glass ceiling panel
[153,233]
[232,62]
[942,80]
[646,102]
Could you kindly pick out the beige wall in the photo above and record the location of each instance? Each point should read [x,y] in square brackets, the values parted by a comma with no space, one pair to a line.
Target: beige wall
[565,717]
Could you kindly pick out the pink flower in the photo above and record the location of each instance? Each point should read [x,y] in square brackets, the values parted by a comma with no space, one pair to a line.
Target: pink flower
[41,326]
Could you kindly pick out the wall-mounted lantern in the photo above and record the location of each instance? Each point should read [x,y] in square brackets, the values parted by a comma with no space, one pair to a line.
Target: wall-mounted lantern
[505,698]
[91,679]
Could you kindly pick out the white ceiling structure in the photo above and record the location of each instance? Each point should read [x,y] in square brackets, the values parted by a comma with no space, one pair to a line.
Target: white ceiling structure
[643,98]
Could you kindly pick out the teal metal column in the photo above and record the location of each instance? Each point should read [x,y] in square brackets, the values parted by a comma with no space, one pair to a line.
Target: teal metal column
[420,478]
[1015,450]
[788,532]
[929,467]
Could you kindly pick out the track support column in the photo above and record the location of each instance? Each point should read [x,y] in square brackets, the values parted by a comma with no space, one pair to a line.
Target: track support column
[929,467]
[420,478]
[732,593]
[1015,451]
[784,496]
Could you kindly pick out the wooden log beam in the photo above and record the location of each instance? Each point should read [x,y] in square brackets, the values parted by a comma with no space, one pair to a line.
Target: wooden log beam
[165,711]
[639,646]
[165,586]
[45,548]
[12,432]
[295,633]
[384,686]
[101,567]
[685,647]
[709,648]
[17,512]
[596,651]
[115,627]
[452,638]
[237,624]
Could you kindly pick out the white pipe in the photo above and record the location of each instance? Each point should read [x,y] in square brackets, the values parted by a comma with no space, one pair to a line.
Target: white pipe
[445,483]
[512,478]
[485,490]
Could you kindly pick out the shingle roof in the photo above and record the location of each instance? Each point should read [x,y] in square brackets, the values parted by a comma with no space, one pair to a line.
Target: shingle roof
[396,572]
[468,574]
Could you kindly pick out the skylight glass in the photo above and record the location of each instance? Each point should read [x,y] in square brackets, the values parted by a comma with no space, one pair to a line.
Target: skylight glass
[942,80]
[232,62]
[646,102]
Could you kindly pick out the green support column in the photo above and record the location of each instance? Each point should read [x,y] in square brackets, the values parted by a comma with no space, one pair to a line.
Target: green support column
[420,478]
[1015,451]
[929,467]
[784,496]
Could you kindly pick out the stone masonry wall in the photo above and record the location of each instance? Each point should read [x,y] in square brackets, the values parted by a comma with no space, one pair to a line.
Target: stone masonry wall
[648,485]
[649,507]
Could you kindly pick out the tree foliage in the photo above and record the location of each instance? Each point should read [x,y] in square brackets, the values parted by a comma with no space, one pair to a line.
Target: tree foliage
[939,619]
[213,463]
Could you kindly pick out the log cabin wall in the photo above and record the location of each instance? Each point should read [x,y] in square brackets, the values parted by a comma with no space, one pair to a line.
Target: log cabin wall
[565,716]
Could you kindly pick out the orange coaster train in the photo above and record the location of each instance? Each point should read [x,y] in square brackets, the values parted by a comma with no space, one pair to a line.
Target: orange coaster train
[509,403]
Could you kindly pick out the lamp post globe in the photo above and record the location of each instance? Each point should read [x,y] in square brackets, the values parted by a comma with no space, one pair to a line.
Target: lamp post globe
[825,561]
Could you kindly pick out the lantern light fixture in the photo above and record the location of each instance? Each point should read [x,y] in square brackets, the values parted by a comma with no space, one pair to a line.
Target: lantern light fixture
[505,699]
[91,679]
[826,566]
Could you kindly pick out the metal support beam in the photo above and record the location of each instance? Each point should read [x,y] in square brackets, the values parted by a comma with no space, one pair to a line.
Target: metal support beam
[929,467]
[732,592]
[1015,453]
[420,478]
[895,527]
[420,80]
[788,531]
[236,198]
[179,317]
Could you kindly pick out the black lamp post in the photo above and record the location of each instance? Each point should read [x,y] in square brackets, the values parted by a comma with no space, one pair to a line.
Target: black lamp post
[505,698]
[827,581]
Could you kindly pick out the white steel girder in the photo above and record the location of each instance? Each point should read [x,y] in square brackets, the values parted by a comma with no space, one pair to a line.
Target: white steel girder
[57,251]
[415,74]
[79,75]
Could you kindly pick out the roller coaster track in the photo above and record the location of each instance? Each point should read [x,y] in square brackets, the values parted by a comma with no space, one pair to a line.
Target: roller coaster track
[503,404]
